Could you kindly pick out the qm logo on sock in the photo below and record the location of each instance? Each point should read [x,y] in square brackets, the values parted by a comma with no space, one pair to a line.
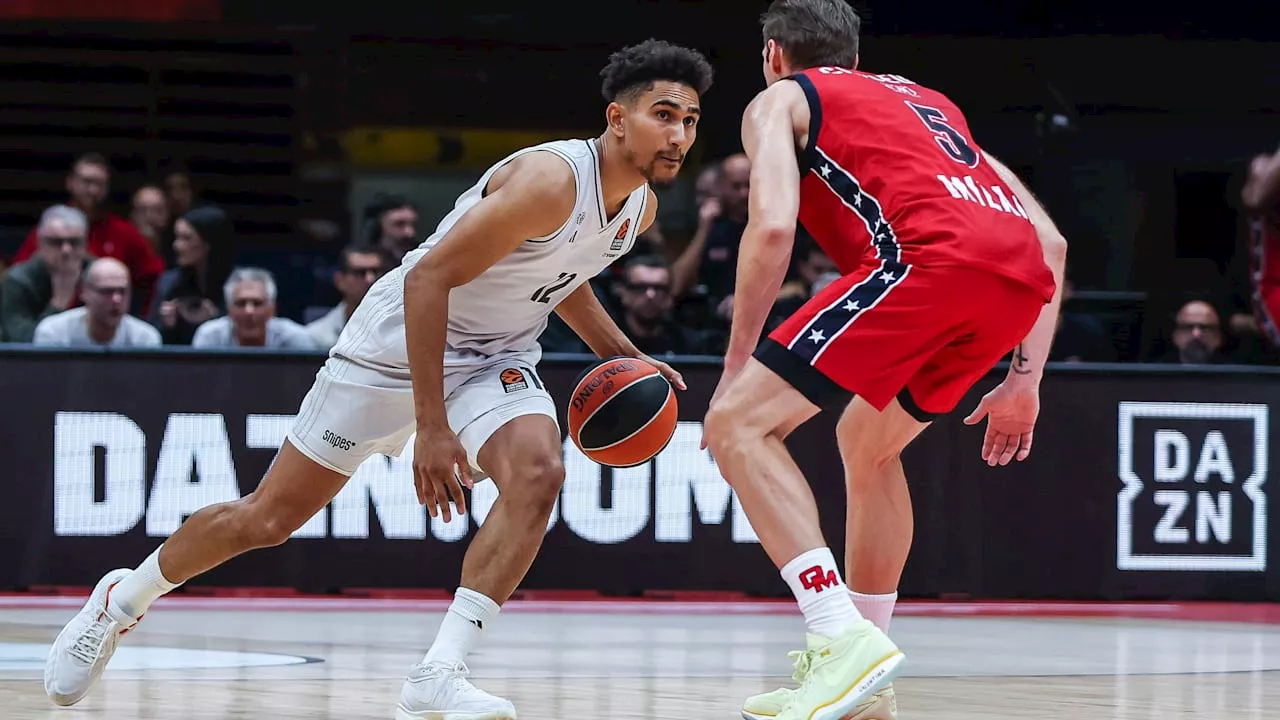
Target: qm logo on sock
[1193,496]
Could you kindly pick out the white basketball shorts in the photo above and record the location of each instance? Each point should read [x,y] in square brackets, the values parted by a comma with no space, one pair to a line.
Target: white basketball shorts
[361,403]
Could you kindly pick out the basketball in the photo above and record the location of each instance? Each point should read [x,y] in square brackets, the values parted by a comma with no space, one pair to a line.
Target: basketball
[622,412]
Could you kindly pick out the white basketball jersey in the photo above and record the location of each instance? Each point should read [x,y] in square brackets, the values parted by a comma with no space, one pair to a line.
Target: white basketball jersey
[506,307]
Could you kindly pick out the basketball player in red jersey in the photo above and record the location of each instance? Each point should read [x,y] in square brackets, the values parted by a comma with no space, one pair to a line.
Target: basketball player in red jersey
[948,263]
[1261,197]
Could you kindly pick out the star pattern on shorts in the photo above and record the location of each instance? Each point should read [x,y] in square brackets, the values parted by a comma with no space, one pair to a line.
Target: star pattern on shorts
[817,336]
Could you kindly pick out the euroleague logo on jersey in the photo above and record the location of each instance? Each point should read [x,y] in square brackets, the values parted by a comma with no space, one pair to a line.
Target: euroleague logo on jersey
[603,382]
[513,380]
[621,236]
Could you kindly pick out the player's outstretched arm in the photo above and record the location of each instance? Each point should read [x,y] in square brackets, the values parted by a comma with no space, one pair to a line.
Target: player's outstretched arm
[1029,357]
[530,197]
[582,312]
[1262,189]
[769,139]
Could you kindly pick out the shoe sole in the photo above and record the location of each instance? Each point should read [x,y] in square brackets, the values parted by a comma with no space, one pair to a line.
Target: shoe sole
[754,716]
[402,714]
[871,682]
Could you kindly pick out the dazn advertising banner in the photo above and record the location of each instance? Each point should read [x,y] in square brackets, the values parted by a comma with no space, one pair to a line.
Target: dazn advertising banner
[1144,483]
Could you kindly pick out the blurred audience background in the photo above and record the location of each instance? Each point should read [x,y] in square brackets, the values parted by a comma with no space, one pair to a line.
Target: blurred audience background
[241,181]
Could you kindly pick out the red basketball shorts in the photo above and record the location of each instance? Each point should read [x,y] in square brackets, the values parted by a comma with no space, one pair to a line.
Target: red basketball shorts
[922,335]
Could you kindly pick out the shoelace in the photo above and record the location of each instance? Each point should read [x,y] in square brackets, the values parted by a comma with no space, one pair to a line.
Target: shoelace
[89,643]
[456,675]
[803,663]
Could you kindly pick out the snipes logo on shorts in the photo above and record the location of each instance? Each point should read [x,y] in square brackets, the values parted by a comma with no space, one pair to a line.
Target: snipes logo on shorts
[513,380]
[1193,497]
[338,441]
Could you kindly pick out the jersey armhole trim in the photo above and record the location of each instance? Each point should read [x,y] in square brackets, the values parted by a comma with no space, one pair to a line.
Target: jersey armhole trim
[635,231]
[808,156]
[577,190]
[595,159]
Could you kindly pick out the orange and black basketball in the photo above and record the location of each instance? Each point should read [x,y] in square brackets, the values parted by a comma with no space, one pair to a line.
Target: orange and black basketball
[622,412]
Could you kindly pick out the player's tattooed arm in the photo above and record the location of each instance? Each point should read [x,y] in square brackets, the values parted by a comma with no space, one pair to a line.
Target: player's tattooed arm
[1021,363]
[1030,355]
[764,252]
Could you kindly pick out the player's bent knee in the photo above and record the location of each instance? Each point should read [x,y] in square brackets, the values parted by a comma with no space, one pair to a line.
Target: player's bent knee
[865,464]
[262,524]
[717,426]
[536,482]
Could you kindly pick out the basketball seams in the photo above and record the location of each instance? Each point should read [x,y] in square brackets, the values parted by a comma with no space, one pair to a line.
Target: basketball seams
[606,401]
[643,426]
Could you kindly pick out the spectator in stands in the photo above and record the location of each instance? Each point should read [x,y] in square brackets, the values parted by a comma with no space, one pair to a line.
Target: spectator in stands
[109,235]
[361,266]
[49,282]
[1197,336]
[645,292]
[150,214]
[191,293]
[810,271]
[251,317]
[179,191]
[711,259]
[104,320]
[707,186]
[391,222]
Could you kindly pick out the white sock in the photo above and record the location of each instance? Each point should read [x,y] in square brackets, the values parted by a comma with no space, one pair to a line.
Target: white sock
[141,587]
[814,579]
[876,608]
[461,628]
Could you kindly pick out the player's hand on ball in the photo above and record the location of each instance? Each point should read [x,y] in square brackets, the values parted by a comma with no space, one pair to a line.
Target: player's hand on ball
[440,469]
[1011,412]
[668,372]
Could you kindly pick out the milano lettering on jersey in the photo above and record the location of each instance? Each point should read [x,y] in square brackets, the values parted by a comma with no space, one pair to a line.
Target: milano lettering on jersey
[993,197]
[827,325]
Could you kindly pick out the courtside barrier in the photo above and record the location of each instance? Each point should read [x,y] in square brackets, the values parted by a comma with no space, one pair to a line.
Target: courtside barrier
[1145,482]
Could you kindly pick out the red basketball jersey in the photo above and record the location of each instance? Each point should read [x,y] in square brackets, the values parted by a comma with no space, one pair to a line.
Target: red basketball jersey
[1264,271]
[891,175]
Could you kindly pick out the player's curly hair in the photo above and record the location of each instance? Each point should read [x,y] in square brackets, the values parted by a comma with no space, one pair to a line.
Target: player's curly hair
[633,70]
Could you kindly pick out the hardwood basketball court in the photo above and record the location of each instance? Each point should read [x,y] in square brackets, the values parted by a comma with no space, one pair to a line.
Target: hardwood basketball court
[345,659]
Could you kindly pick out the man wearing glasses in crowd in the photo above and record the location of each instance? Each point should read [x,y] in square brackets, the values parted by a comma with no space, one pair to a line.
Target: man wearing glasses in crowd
[361,266]
[49,282]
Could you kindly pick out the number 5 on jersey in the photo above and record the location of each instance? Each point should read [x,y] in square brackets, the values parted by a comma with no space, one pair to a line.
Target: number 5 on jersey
[949,139]
[544,293]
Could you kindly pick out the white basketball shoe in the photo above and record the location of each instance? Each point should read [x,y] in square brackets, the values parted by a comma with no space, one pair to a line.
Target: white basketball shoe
[442,692]
[86,644]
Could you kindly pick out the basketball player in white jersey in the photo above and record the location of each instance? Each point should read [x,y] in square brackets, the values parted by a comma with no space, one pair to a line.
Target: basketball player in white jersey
[446,345]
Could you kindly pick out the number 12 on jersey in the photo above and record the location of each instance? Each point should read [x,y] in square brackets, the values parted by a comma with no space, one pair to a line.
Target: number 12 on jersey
[949,139]
[544,293]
